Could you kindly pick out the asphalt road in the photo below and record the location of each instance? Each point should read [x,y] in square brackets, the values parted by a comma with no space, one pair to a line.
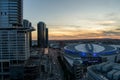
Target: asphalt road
[57,70]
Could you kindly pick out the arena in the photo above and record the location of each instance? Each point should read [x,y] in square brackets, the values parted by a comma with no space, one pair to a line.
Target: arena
[90,52]
[77,57]
[95,50]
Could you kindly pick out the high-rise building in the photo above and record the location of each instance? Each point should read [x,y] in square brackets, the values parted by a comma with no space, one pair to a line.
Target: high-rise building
[11,13]
[30,35]
[27,24]
[46,44]
[41,27]
[14,39]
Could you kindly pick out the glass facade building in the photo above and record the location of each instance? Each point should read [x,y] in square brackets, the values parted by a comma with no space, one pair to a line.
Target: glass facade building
[14,38]
[11,13]
[46,43]
[41,27]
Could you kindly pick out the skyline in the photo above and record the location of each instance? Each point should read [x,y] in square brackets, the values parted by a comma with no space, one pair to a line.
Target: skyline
[78,19]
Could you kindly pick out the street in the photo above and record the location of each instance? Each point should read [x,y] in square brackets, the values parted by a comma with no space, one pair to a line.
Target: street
[58,73]
[51,64]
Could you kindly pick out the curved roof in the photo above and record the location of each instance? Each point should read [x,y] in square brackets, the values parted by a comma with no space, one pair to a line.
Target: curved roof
[90,49]
[95,48]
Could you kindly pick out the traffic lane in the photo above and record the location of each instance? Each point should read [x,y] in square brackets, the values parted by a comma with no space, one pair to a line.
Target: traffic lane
[58,70]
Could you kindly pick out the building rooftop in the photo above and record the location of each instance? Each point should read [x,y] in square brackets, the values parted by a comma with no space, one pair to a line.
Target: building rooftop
[90,49]
[105,71]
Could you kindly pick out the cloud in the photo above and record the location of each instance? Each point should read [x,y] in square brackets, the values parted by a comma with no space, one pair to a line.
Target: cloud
[118,29]
[56,26]
[106,22]
[107,26]
[111,33]
[75,34]
[112,16]
[89,35]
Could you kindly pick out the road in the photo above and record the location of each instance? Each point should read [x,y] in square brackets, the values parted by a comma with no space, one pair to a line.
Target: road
[53,64]
[57,70]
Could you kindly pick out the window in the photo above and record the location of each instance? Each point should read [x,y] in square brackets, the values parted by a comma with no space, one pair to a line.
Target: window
[1,13]
[5,13]
[5,64]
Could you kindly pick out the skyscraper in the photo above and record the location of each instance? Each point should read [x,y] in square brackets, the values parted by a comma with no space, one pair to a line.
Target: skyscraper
[30,35]
[11,13]
[27,24]
[14,41]
[41,27]
[46,43]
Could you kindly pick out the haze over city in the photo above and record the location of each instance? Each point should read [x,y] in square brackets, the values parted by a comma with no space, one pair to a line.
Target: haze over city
[75,19]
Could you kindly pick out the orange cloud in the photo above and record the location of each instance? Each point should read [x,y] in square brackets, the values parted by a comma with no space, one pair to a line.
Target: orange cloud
[62,33]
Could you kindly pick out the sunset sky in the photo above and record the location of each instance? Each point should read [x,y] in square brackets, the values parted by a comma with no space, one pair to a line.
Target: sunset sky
[75,19]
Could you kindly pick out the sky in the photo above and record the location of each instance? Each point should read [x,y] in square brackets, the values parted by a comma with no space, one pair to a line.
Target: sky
[75,19]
